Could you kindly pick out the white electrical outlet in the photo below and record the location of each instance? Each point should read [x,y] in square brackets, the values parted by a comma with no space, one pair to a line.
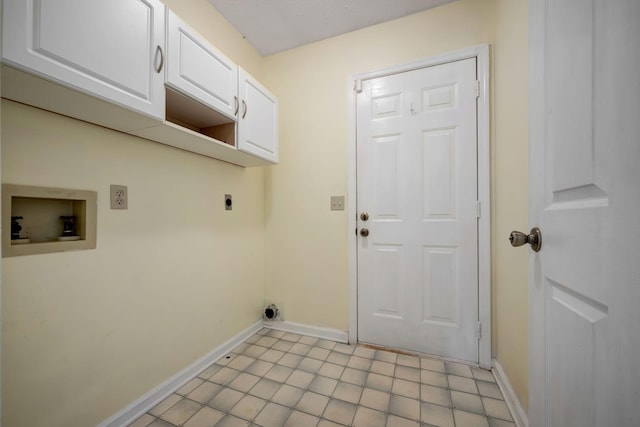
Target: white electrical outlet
[337,203]
[118,197]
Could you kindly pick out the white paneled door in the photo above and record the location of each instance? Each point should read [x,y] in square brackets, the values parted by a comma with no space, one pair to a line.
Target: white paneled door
[417,198]
[584,348]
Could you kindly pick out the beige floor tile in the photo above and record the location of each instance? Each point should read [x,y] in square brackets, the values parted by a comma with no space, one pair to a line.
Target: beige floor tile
[181,412]
[327,423]
[489,389]
[205,417]
[253,339]
[189,387]
[163,406]
[271,355]
[254,351]
[244,382]
[467,402]
[357,362]
[143,421]
[410,361]
[290,360]
[323,385]
[338,358]
[340,412]
[300,419]
[494,422]
[225,400]
[210,371]
[283,345]
[436,415]
[278,373]
[331,370]
[375,399]
[326,344]
[404,407]
[273,415]
[291,337]
[379,382]
[287,395]
[344,348]
[319,353]
[396,421]
[300,349]
[224,376]
[259,367]
[348,392]
[385,356]
[312,403]
[248,407]
[241,362]
[205,392]
[265,388]
[462,384]
[223,361]
[308,340]
[310,365]
[354,376]
[239,349]
[160,423]
[383,368]
[406,388]
[300,379]
[366,417]
[458,369]
[496,409]
[432,364]
[434,378]
[467,419]
[267,341]
[407,373]
[437,395]
[482,374]
[364,352]
[231,421]
[276,333]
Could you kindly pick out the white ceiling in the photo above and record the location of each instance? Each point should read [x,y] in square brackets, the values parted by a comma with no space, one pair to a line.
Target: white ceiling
[272,26]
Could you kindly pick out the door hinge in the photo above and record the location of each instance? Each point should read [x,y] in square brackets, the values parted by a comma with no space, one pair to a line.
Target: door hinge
[478,209]
[479,330]
[357,86]
[477,88]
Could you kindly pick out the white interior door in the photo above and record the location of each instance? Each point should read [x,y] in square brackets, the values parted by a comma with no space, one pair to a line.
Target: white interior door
[584,351]
[417,182]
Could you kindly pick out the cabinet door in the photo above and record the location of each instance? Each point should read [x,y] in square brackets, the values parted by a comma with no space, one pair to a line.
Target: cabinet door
[258,119]
[198,70]
[109,49]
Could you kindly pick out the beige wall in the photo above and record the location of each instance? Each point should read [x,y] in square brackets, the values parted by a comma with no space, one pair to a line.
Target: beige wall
[86,333]
[306,259]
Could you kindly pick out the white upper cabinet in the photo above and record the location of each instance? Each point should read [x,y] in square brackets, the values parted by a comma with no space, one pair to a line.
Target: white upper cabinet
[258,119]
[196,68]
[113,50]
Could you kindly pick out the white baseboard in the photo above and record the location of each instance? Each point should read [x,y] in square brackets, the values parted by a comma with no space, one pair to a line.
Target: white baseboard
[312,331]
[136,409]
[510,398]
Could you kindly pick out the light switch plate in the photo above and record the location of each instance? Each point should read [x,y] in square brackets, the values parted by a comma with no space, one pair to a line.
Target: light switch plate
[337,203]
[119,197]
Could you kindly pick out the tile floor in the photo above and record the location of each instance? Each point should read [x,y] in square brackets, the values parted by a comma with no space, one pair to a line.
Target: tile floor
[277,379]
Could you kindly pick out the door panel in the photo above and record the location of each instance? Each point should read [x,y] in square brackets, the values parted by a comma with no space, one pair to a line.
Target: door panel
[417,180]
[584,283]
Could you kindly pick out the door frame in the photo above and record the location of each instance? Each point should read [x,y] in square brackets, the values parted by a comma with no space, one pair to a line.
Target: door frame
[481,54]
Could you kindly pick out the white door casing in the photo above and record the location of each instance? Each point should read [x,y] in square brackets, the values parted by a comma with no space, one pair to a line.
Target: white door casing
[435,217]
[584,291]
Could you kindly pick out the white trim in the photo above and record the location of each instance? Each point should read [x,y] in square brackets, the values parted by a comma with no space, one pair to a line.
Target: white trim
[510,398]
[312,331]
[131,412]
[481,53]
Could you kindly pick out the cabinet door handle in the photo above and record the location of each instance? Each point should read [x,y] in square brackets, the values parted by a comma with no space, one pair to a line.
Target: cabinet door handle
[235,98]
[244,109]
[159,51]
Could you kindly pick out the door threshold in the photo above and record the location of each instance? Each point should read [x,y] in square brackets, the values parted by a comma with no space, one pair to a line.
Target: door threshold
[416,353]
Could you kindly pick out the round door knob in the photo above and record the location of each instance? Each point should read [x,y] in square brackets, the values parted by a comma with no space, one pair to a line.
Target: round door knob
[364,232]
[534,238]
[364,216]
